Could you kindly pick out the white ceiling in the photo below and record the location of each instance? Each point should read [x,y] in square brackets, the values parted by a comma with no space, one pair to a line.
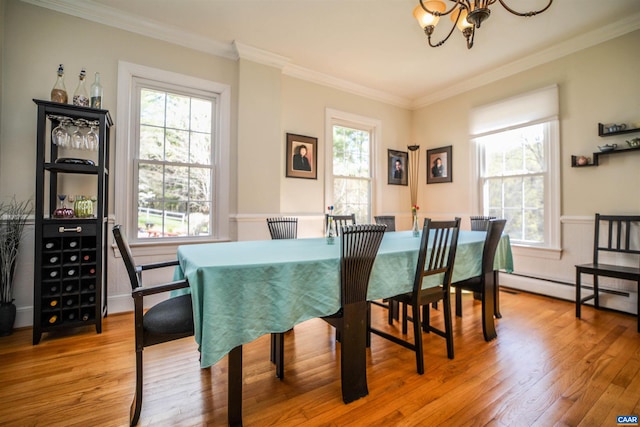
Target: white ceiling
[371,47]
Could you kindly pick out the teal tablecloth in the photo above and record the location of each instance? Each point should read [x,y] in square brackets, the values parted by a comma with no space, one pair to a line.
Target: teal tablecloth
[243,290]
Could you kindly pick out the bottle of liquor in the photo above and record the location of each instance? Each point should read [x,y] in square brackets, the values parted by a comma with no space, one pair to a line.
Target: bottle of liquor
[96,92]
[81,96]
[53,319]
[59,91]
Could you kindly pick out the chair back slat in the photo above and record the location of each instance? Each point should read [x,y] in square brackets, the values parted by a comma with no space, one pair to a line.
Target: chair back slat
[359,247]
[616,233]
[283,228]
[480,223]
[341,221]
[388,220]
[127,257]
[441,253]
[494,233]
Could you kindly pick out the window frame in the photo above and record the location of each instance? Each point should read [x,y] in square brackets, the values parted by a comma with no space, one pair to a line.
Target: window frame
[551,176]
[374,127]
[127,145]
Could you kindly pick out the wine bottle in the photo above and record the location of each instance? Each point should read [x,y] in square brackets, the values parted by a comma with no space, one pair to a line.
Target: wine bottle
[81,96]
[53,302]
[85,316]
[53,319]
[96,92]
[59,91]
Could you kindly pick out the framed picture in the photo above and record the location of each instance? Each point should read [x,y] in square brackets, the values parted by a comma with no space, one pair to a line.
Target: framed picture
[439,165]
[397,167]
[302,157]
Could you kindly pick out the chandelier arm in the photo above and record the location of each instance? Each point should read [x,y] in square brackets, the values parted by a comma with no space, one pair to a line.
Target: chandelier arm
[462,3]
[471,37]
[532,13]
[429,30]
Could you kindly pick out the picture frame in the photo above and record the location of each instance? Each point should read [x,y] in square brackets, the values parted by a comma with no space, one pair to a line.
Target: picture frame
[397,167]
[302,156]
[439,165]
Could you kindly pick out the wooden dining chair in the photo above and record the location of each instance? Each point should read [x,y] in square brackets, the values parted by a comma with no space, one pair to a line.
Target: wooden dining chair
[435,263]
[283,228]
[388,220]
[358,249]
[340,221]
[488,278]
[166,321]
[280,228]
[615,235]
[480,223]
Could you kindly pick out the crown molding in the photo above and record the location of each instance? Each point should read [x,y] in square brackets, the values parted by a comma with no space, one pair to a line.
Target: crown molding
[564,48]
[105,15]
[244,51]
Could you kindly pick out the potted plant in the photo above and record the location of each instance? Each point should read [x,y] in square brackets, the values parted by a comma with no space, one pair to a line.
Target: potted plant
[13,216]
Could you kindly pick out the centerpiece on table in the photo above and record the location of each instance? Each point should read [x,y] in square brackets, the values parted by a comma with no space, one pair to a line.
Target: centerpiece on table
[416,226]
[330,233]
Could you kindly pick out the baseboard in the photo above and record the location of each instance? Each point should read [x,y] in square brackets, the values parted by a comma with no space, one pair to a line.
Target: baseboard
[614,300]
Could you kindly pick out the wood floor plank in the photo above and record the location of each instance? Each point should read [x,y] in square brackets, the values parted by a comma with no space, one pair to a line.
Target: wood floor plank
[545,368]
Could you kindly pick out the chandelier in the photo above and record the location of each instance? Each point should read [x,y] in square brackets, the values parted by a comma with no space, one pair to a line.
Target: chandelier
[467,15]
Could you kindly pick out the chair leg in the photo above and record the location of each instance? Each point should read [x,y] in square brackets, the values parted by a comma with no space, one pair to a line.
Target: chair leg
[496,294]
[596,292]
[404,318]
[448,328]
[277,341]
[638,298]
[426,318]
[458,302]
[417,338]
[136,404]
[578,285]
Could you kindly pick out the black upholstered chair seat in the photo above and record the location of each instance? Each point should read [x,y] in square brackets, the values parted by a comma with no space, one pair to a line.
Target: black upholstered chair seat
[172,316]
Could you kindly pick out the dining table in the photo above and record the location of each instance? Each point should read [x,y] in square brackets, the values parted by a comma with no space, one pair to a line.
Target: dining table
[242,290]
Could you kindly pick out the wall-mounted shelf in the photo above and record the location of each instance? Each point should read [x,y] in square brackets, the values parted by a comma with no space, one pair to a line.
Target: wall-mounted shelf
[597,154]
[602,131]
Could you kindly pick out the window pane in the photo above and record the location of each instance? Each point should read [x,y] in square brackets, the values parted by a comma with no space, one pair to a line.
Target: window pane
[352,196]
[200,151]
[201,115]
[199,183]
[177,146]
[151,143]
[152,107]
[176,183]
[178,110]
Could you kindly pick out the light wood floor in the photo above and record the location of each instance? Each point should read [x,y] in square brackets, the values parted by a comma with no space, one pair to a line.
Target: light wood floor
[546,368]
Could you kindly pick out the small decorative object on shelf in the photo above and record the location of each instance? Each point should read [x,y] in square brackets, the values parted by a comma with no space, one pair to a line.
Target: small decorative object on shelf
[415,228]
[96,92]
[63,211]
[81,96]
[331,227]
[582,161]
[59,91]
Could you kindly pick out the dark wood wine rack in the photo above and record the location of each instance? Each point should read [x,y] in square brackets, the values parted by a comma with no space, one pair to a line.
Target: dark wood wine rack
[70,274]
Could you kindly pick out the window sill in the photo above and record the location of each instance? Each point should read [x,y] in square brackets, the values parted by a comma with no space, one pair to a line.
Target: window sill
[536,252]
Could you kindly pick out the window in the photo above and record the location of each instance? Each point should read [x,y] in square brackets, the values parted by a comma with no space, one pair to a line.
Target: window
[175,162]
[176,143]
[517,161]
[350,169]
